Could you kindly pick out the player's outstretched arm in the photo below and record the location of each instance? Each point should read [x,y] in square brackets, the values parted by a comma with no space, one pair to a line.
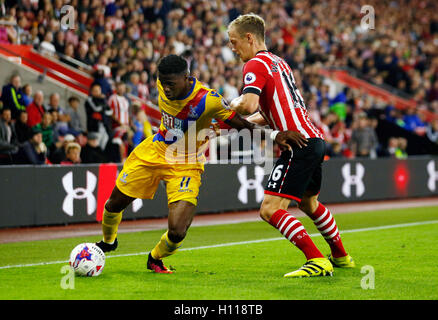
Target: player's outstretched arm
[245,104]
[285,139]
[257,118]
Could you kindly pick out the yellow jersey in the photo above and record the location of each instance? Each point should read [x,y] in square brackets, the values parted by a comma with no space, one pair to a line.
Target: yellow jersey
[185,123]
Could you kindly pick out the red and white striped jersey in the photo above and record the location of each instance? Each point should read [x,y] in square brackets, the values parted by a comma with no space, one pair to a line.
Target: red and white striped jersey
[281,103]
[120,107]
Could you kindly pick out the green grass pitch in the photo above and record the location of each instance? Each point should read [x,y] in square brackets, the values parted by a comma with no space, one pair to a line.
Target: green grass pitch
[229,262]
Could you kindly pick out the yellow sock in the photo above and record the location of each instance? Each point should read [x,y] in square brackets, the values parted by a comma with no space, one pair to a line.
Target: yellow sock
[165,247]
[110,225]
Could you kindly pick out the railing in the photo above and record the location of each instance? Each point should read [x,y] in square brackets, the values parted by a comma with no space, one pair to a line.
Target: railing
[45,70]
[385,92]
[75,62]
[153,112]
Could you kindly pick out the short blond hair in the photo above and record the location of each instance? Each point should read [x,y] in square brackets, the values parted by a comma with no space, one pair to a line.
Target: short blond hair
[249,23]
[72,146]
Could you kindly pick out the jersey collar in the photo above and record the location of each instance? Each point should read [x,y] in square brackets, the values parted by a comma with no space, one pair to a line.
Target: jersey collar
[191,89]
[261,51]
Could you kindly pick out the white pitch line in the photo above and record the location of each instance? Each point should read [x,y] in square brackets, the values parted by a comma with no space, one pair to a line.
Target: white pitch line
[229,244]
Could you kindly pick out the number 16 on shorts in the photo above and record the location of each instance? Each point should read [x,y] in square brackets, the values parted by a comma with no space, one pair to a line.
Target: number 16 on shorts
[274,180]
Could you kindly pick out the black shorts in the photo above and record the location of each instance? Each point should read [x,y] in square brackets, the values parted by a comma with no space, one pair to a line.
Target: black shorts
[298,171]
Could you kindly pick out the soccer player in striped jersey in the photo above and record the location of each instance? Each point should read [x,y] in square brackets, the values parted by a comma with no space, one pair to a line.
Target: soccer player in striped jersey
[270,96]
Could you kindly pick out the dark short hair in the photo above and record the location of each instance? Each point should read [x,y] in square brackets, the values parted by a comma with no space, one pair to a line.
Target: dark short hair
[94,84]
[71,99]
[172,64]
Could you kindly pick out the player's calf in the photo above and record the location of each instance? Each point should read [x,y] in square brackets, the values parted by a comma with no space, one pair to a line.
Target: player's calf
[326,225]
[165,247]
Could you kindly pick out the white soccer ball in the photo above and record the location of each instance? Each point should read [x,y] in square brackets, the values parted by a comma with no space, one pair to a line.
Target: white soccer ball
[87,259]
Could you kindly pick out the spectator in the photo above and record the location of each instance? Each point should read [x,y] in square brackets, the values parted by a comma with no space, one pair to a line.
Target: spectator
[46,46]
[72,154]
[58,155]
[27,94]
[68,56]
[142,126]
[63,118]
[7,32]
[23,131]
[91,152]
[35,109]
[391,150]
[59,41]
[120,118]
[102,81]
[230,90]
[47,130]
[134,84]
[75,124]
[143,90]
[412,120]
[8,137]
[400,152]
[336,150]
[12,96]
[98,115]
[432,131]
[23,35]
[119,106]
[363,141]
[33,151]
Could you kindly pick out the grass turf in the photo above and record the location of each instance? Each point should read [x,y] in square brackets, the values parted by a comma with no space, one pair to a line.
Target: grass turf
[403,259]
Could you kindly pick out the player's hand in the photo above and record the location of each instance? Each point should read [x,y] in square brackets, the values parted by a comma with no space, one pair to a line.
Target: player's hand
[216,130]
[285,138]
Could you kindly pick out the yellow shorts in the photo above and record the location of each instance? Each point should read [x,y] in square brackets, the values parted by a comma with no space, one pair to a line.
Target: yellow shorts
[140,178]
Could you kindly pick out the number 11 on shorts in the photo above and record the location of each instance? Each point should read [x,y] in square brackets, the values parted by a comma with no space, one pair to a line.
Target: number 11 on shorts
[184,183]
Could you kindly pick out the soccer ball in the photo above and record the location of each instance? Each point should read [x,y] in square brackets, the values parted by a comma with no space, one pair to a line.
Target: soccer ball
[87,259]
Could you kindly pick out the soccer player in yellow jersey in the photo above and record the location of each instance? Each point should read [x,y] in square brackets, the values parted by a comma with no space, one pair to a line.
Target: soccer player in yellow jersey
[174,155]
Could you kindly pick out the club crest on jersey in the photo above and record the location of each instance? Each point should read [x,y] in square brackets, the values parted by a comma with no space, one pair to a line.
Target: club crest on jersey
[250,78]
[124,176]
[192,113]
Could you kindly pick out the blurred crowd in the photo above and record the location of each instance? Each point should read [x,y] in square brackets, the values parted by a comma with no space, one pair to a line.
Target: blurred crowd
[35,132]
[121,41]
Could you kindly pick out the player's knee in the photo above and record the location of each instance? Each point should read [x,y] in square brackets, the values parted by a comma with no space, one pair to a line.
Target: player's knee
[266,212]
[177,234]
[117,201]
[113,206]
